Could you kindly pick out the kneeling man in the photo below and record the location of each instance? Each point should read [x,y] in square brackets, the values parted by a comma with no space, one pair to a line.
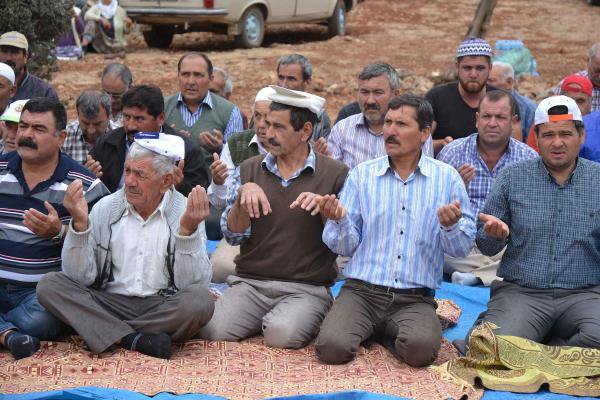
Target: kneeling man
[135,272]
[397,217]
[284,270]
[546,212]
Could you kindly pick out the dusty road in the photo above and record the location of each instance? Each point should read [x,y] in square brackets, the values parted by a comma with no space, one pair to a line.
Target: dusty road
[419,37]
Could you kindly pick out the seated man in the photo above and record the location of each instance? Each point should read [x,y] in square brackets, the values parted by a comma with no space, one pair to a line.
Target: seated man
[479,158]
[93,120]
[545,211]
[135,271]
[9,124]
[143,111]
[397,216]
[33,181]
[283,270]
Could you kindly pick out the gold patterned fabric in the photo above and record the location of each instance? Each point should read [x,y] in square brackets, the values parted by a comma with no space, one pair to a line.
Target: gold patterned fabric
[514,364]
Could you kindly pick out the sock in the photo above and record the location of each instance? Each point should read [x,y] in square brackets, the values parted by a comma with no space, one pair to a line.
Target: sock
[152,345]
[21,345]
[465,279]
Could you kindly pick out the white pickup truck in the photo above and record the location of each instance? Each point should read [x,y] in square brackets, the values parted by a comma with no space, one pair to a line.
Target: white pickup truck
[243,20]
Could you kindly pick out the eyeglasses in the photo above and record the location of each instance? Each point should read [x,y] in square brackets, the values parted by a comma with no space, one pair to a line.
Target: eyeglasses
[114,95]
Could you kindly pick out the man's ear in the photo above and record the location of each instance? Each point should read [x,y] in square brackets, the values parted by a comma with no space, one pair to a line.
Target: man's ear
[62,135]
[306,131]
[167,182]
[425,133]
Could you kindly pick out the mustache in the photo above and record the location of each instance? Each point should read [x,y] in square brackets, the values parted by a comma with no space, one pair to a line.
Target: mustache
[10,63]
[372,107]
[27,142]
[392,139]
[273,142]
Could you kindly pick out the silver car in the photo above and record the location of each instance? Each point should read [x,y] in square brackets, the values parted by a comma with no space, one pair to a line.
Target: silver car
[243,20]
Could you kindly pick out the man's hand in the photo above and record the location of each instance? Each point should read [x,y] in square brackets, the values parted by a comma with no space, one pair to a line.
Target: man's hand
[438,144]
[307,201]
[182,132]
[94,166]
[494,227]
[212,141]
[449,214]
[75,203]
[178,173]
[251,198]
[196,211]
[218,170]
[467,173]
[320,146]
[41,224]
[331,208]
[105,23]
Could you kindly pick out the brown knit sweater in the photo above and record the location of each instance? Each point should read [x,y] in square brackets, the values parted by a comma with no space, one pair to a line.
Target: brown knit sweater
[286,245]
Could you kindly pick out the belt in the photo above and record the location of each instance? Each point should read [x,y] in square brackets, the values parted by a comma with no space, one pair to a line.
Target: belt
[426,292]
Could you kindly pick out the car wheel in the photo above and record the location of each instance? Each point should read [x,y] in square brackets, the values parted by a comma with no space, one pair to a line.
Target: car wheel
[252,27]
[337,22]
[159,36]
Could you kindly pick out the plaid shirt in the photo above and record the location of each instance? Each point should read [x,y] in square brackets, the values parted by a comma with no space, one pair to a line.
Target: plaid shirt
[554,239]
[234,125]
[595,92]
[464,151]
[75,144]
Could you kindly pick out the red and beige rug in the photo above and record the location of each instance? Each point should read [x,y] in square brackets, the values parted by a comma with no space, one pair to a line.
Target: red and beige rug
[244,370]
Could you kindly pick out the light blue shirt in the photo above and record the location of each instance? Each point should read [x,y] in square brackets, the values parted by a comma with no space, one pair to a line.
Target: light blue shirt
[391,229]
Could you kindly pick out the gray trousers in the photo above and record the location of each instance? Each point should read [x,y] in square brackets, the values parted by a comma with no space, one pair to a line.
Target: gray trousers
[559,317]
[102,318]
[410,321]
[287,313]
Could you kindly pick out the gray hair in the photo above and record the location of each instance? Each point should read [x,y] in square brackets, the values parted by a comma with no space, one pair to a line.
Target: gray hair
[507,69]
[228,82]
[120,70]
[307,68]
[379,69]
[89,102]
[594,50]
[162,165]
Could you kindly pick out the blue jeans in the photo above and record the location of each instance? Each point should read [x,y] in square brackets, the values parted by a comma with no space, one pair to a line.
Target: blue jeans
[19,309]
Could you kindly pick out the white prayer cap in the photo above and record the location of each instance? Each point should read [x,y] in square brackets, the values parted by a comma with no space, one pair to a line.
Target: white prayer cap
[541,113]
[7,72]
[298,99]
[170,146]
[264,94]
[13,111]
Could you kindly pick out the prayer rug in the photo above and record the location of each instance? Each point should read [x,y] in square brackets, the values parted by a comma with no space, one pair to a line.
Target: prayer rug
[514,364]
[242,370]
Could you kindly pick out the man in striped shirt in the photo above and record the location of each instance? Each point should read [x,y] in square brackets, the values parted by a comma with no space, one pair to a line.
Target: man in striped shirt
[397,217]
[33,181]
[359,137]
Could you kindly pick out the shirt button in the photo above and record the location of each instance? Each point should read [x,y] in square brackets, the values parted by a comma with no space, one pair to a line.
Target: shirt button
[405,183]
[555,258]
[558,235]
[399,257]
[402,232]
[404,208]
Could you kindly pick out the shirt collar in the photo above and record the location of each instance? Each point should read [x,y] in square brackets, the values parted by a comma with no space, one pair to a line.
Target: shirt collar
[207,99]
[59,175]
[362,122]
[577,172]
[270,162]
[423,166]
[254,142]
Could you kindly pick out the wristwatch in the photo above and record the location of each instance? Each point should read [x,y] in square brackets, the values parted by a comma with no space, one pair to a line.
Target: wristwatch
[60,235]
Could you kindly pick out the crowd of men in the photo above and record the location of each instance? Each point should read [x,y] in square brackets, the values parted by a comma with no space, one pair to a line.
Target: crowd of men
[105,218]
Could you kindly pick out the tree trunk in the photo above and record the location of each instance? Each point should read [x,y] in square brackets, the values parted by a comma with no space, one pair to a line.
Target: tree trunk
[482,18]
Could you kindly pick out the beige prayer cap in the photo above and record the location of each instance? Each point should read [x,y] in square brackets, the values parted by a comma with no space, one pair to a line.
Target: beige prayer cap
[298,99]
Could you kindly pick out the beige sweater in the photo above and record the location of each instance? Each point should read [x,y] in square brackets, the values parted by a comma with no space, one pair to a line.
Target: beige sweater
[93,14]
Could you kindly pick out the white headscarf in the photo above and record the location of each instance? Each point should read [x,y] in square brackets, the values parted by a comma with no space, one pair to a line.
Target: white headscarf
[108,11]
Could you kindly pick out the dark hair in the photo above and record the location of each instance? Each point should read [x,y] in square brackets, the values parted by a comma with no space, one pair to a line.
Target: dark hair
[39,105]
[120,70]
[561,110]
[196,54]
[90,101]
[298,116]
[495,96]
[380,69]
[147,97]
[422,108]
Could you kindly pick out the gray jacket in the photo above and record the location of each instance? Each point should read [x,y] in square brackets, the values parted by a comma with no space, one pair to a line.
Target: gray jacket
[84,254]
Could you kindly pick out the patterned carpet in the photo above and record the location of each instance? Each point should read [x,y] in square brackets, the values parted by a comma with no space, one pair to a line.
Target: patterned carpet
[244,370]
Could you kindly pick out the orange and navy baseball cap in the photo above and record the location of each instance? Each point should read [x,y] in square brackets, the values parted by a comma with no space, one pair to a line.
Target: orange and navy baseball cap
[541,113]
[577,83]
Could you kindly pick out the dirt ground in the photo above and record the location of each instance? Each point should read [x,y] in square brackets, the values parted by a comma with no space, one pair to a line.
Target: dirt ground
[418,37]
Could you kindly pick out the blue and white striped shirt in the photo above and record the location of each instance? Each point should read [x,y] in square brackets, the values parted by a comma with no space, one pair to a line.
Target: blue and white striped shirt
[392,231]
[234,125]
[464,151]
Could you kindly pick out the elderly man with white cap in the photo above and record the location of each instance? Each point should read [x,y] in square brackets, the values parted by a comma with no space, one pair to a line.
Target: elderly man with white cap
[546,212]
[238,148]
[14,51]
[283,272]
[135,271]
[7,86]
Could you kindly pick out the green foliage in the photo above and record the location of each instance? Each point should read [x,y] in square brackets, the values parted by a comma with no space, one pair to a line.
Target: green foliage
[42,22]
